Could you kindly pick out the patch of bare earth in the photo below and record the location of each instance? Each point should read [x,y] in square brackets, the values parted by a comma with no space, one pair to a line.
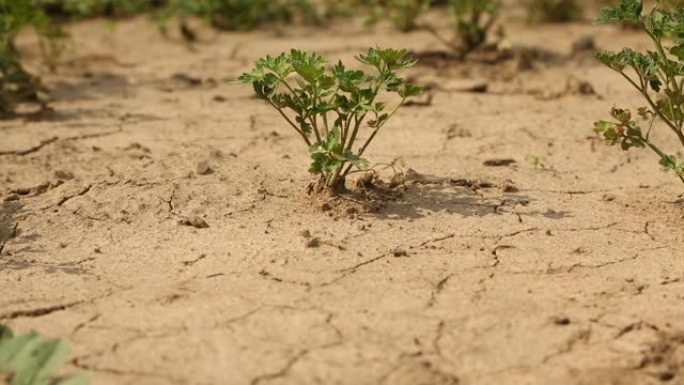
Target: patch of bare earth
[159,222]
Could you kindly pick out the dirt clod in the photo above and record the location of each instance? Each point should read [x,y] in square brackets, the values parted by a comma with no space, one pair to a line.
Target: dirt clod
[313,242]
[203,168]
[64,175]
[498,162]
[561,320]
[195,222]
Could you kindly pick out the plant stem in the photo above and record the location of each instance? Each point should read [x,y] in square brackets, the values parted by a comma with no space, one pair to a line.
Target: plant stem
[661,155]
[451,45]
[372,136]
[313,119]
[655,108]
[308,143]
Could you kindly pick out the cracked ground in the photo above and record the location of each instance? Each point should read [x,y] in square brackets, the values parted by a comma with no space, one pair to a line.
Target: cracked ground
[158,221]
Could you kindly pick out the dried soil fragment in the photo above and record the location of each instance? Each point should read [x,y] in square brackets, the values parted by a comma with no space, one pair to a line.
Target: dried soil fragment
[195,222]
[203,168]
[498,162]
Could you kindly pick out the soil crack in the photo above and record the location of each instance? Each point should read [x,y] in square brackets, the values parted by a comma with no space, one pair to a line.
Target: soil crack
[283,372]
[33,313]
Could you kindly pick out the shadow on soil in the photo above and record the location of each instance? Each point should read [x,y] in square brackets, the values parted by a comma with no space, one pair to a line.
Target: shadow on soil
[92,87]
[467,198]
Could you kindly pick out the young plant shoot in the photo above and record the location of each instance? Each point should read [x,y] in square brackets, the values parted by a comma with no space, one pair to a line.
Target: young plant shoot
[331,107]
[473,21]
[658,74]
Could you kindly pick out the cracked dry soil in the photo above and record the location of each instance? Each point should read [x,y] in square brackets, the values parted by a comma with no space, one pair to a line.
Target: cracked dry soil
[161,226]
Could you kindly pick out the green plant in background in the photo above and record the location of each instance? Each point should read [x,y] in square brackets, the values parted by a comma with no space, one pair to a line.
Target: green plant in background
[404,14]
[115,8]
[328,107]
[473,21]
[658,74]
[29,360]
[237,14]
[16,84]
[554,10]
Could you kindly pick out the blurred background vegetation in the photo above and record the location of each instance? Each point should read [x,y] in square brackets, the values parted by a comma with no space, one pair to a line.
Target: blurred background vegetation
[473,22]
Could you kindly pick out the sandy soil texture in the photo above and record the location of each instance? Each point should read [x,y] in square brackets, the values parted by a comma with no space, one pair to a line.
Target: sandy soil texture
[158,221]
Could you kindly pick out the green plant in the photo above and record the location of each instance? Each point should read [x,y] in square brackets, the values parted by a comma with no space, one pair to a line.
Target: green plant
[328,107]
[16,84]
[473,21]
[657,74]
[554,10]
[28,360]
[115,8]
[404,14]
[236,14]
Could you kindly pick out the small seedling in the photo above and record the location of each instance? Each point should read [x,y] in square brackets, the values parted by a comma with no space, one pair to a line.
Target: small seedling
[473,21]
[329,107]
[29,360]
[537,161]
[658,74]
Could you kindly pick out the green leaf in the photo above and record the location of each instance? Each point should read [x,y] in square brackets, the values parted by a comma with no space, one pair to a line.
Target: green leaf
[79,379]
[5,333]
[668,162]
[410,90]
[625,11]
[31,361]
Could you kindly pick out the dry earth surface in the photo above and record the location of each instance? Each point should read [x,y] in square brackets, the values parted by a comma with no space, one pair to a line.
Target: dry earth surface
[158,221]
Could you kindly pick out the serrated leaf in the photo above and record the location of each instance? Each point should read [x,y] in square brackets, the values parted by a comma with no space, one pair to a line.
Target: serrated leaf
[31,361]
[626,11]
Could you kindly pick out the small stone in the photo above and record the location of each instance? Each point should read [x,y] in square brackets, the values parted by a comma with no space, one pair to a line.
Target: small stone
[313,242]
[203,168]
[666,376]
[64,175]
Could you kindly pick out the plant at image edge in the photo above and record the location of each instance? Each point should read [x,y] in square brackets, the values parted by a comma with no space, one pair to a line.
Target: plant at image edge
[330,106]
[28,360]
[16,84]
[657,74]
